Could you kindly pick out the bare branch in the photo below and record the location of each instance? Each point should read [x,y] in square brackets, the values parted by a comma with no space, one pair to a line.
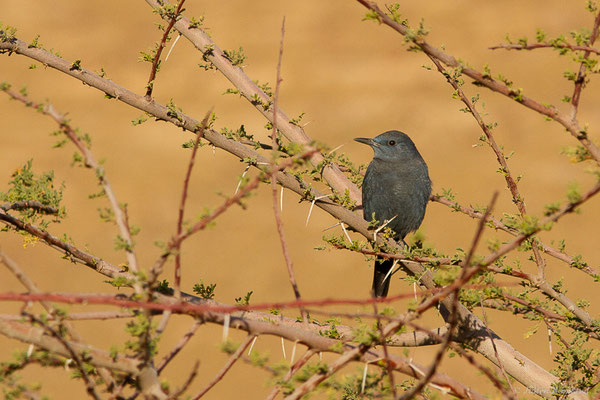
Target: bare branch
[276,209]
[234,357]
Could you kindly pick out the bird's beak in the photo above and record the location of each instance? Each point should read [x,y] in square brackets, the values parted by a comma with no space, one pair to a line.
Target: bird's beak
[366,141]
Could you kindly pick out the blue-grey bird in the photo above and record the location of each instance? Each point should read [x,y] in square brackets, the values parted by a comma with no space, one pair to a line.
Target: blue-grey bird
[396,188]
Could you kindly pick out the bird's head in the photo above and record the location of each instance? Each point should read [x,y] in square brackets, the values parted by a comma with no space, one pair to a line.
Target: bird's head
[392,146]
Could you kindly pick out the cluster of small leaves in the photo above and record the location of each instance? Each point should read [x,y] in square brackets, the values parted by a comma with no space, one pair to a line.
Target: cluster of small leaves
[122,244]
[472,298]
[256,100]
[35,44]
[236,57]
[354,173]
[340,241]
[139,329]
[168,11]
[348,387]
[416,36]
[164,288]
[344,200]
[174,111]
[7,33]
[13,386]
[25,185]
[196,23]
[207,52]
[140,120]
[572,363]
[366,334]
[577,153]
[207,292]
[244,301]
[332,332]
[239,135]
[121,281]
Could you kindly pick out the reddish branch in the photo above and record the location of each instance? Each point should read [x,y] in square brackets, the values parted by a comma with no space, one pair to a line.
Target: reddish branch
[161,46]
[581,74]
[514,46]
[186,183]
[276,211]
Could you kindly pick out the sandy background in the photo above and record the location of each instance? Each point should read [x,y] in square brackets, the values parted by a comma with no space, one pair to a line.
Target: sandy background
[351,78]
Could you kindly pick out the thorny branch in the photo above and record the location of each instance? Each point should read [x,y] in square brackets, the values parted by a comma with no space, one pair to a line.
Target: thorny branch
[90,162]
[552,112]
[161,46]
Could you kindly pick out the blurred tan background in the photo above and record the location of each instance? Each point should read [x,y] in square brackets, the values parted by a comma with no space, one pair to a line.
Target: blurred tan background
[351,78]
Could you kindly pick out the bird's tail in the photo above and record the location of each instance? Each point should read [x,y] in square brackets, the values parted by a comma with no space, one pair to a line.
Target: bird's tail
[381,280]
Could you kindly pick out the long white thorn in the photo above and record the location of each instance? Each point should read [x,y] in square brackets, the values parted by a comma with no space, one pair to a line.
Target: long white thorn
[391,270]
[252,345]
[172,47]
[283,349]
[364,379]
[293,352]
[241,179]
[382,226]
[337,148]
[312,204]
[332,226]
[345,232]
[226,326]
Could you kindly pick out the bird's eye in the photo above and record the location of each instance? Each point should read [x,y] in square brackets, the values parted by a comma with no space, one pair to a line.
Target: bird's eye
[392,142]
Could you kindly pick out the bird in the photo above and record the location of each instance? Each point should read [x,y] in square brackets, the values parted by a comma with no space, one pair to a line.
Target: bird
[395,192]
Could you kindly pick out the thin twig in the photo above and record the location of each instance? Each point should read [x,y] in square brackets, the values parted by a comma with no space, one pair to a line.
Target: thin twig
[161,46]
[386,353]
[186,182]
[293,369]
[234,357]
[175,395]
[89,383]
[179,346]
[500,364]
[276,209]
[581,74]
[514,46]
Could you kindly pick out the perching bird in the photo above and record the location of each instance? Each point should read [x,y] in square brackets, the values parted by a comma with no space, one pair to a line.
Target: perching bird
[395,190]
